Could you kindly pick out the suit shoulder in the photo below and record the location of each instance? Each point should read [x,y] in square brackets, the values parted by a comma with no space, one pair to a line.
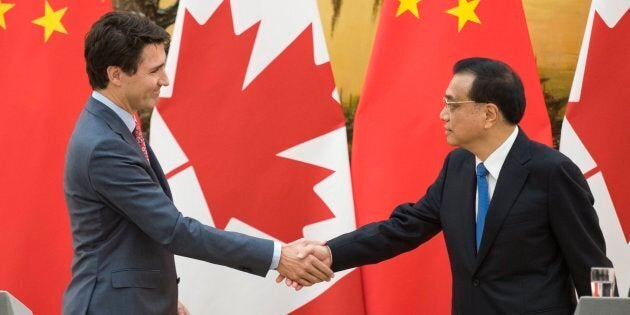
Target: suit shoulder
[90,132]
[458,155]
[547,158]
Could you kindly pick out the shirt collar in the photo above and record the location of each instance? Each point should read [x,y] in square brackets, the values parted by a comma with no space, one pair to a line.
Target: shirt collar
[495,160]
[124,115]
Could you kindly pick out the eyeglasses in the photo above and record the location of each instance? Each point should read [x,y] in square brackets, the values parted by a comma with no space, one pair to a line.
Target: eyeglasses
[453,105]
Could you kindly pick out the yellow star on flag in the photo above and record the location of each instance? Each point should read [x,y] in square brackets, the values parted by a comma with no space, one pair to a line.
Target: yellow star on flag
[4,7]
[51,21]
[408,5]
[465,11]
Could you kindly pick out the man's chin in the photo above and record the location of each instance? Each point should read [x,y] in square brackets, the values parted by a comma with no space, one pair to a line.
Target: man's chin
[150,105]
[450,141]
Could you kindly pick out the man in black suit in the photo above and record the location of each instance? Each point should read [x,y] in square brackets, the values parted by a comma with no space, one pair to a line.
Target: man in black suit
[517,216]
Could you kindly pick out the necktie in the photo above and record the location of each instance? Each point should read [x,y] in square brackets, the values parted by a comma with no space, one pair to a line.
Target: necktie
[483,200]
[137,133]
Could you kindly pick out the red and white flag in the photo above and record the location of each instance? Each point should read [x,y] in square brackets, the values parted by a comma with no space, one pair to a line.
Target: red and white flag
[252,140]
[43,87]
[399,143]
[594,131]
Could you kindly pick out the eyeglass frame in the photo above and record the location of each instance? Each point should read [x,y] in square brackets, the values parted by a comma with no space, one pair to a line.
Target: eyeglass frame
[449,104]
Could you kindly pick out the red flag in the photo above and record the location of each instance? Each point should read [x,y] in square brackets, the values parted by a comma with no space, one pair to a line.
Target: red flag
[43,87]
[594,132]
[399,143]
[252,140]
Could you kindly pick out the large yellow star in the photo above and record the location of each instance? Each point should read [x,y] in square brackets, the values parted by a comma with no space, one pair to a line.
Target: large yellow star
[408,5]
[465,11]
[4,7]
[51,21]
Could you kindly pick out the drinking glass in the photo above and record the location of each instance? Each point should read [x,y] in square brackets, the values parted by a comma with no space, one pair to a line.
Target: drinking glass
[602,281]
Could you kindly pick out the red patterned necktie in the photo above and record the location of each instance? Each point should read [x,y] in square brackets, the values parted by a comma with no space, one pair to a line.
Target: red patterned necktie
[137,133]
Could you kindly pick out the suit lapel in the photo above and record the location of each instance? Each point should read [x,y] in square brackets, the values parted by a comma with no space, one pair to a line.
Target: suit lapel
[118,126]
[464,201]
[511,180]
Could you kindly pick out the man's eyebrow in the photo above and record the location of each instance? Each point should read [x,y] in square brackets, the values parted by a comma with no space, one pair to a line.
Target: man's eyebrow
[158,66]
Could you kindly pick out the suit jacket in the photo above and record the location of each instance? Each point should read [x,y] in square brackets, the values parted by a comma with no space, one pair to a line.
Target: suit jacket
[541,234]
[125,228]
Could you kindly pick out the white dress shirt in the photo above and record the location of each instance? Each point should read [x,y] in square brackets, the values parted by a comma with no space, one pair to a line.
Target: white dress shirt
[493,164]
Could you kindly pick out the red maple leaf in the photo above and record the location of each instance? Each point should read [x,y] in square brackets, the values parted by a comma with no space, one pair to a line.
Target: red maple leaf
[598,117]
[232,136]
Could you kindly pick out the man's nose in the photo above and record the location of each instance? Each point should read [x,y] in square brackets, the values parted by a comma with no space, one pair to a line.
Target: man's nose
[444,114]
[164,79]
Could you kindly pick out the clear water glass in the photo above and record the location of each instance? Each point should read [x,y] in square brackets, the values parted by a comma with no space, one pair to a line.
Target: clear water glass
[602,281]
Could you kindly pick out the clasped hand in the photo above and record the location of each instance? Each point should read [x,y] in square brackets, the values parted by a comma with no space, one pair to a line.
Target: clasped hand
[304,263]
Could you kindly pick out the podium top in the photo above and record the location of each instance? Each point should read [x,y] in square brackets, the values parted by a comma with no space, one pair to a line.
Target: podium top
[11,306]
[589,305]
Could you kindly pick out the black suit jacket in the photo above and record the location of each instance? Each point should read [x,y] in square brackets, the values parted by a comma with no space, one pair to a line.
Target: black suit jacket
[541,234]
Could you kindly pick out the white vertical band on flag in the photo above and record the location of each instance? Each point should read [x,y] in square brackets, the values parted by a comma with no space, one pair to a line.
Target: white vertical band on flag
[578,77]
[572,146]
[188,196]
[164,144]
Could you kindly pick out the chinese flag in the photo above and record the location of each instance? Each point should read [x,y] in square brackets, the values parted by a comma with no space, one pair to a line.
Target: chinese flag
[43,87]
[399,144]
[252,140]
[595,132]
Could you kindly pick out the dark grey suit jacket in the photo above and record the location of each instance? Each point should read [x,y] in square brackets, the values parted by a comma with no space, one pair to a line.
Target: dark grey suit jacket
[125,228]
[541,234]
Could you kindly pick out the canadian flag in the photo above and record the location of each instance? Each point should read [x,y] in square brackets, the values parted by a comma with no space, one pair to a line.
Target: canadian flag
[595,133]
[253,140]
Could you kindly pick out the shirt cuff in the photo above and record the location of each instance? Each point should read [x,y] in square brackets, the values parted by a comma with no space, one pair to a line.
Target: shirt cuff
[277,250]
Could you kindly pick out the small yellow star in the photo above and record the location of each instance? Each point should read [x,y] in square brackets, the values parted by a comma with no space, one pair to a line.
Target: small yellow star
[51,21]
[408,5]
[4,7]
[465,11]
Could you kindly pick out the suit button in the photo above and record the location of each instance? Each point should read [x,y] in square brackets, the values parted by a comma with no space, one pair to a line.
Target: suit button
[476,282]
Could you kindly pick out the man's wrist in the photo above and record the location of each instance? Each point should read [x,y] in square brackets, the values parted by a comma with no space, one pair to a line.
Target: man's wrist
[329,253]
[277,251]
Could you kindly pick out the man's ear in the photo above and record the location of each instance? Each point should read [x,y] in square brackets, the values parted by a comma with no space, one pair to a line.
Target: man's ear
[114,74]
[493,114]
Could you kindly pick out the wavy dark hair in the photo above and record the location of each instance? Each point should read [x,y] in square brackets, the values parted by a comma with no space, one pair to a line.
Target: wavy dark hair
[117,39]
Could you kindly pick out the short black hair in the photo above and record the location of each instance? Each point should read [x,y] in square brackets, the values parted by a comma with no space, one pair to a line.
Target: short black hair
[117,39]
[495,82]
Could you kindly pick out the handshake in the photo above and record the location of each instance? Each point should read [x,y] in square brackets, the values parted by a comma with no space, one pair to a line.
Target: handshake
[304,263]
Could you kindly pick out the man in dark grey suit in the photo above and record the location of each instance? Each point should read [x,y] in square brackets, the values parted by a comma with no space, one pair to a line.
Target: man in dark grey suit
[517,216]
[125,228]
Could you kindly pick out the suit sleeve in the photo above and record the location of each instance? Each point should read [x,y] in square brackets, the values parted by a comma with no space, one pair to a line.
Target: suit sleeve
[408,226]
[117,175]
[575,224]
